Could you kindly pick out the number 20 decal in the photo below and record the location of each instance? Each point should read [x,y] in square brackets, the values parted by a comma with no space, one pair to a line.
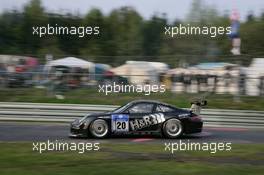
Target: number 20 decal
[120,123]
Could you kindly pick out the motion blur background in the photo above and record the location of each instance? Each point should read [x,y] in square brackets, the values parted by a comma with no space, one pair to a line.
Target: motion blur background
[131,48]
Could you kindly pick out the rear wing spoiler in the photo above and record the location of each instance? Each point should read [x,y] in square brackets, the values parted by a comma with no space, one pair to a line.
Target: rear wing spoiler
[196,106]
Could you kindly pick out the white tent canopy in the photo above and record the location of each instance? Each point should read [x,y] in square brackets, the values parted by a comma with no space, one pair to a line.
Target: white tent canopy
[71,62]
[122,70]
[158,67]
[140,72]
[254,72]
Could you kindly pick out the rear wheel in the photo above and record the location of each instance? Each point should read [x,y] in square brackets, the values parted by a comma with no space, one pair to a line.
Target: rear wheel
[99,128]
[172,128]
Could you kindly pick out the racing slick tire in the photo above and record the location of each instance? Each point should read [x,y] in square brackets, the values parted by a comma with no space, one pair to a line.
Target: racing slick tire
[99,129]
[172,128]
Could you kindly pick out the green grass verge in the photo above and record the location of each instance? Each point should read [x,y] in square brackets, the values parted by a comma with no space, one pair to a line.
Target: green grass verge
[91,96]
[130,158]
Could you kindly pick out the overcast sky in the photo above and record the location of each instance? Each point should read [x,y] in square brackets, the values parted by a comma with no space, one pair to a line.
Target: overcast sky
[173,8]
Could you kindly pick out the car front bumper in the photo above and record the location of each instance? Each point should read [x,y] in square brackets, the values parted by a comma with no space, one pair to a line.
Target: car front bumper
[74,132]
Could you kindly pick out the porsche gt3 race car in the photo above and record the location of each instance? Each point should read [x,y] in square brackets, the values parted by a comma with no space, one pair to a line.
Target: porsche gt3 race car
[140,117]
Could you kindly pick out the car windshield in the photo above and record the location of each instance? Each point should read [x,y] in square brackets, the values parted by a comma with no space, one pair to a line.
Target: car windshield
[121,109]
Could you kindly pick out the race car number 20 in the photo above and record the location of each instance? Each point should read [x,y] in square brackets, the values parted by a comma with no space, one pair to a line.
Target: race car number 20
[120,123]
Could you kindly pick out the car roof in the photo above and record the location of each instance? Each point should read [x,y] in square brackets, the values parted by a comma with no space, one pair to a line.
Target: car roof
[150,101]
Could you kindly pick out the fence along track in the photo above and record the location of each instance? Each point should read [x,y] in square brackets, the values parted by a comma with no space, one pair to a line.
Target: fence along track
[46,112]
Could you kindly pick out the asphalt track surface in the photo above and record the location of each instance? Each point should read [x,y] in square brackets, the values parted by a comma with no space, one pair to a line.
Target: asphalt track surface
[20,132]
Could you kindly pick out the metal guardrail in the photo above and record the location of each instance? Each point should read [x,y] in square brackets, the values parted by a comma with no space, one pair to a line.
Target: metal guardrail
[46,112]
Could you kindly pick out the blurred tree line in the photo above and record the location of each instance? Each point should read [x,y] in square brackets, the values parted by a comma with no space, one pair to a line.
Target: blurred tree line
[126,35]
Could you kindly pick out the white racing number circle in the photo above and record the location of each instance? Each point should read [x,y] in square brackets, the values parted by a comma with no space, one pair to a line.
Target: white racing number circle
[99,128]
[173,128]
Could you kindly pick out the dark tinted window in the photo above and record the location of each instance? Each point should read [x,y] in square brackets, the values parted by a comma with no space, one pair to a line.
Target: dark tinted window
[163,108]
[141,108]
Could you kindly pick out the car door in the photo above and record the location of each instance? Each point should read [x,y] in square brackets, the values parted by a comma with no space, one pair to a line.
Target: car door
[137,113]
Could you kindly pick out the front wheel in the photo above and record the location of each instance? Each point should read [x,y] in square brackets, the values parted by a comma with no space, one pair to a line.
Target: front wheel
[99,128]
[172,128]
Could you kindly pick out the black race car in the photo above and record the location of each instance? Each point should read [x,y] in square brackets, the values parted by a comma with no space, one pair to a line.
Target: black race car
[140,117]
